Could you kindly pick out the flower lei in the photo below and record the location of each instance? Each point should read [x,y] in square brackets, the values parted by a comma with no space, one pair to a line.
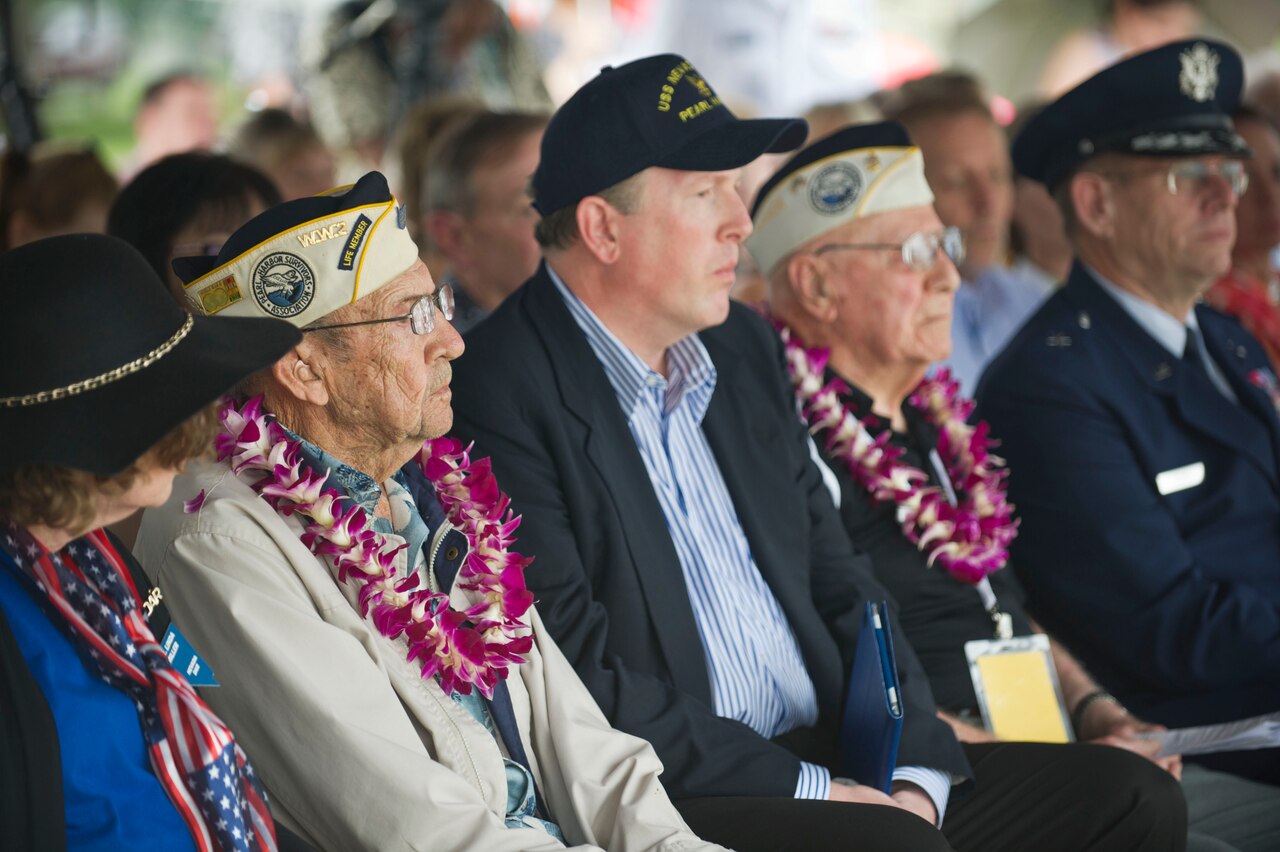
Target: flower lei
[472,648]
[971,539]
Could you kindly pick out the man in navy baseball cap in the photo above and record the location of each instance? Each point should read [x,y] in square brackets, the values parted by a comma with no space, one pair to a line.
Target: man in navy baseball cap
[657,111]
[690,560]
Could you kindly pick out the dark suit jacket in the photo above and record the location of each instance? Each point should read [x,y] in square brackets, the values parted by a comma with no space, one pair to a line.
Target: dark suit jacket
[531,394]
[1172,600]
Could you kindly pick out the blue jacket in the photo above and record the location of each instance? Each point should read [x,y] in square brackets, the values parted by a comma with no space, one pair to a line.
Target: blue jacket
[1168,588]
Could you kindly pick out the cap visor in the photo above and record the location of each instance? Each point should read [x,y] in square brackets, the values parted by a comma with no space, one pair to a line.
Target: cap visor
[105,430]
[1220,141]
[733,144]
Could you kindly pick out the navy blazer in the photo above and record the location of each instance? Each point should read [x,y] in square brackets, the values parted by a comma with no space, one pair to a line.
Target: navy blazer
[1171,599]
[531,393]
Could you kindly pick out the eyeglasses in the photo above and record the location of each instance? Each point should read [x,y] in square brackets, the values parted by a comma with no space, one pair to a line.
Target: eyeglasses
[919,250]
[1194,177]
[421,317]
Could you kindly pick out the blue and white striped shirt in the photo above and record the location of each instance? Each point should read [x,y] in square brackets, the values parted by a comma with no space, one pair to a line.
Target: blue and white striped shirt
[757,673]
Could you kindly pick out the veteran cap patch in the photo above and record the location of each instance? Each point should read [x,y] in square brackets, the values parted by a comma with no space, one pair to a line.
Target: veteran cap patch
[858,171]
[306,258]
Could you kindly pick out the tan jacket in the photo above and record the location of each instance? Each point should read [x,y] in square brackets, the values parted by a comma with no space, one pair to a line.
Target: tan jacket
[356,749]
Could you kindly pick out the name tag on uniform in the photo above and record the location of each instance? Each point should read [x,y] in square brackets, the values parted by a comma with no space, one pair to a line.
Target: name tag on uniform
[185,659]
[1180,478]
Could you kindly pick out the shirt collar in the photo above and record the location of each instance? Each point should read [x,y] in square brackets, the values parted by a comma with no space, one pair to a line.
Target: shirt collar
[359,486]
[1167,330]
[692,373]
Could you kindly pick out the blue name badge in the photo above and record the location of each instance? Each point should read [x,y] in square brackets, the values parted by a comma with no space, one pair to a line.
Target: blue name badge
[185,659]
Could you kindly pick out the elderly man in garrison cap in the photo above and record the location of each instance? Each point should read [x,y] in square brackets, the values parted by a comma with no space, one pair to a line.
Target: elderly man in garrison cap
[862,283]
[691,565]
[358,592]
[1140,427]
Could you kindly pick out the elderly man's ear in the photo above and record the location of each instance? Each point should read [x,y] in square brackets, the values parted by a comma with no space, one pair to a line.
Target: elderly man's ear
[301,374]
[810,288]
[1094,205]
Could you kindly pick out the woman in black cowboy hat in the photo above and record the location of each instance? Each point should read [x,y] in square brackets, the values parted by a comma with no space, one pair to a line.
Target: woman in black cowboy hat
[106,390]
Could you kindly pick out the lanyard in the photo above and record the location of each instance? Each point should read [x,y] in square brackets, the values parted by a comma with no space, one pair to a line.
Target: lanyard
[1001,621]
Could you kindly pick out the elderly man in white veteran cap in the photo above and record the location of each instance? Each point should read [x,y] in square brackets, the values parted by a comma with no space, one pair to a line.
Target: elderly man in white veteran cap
[862,282]
[861,288]
[352,578]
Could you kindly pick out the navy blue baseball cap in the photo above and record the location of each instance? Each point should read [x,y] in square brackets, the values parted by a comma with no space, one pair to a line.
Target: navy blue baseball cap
[1173,101]
[657,111]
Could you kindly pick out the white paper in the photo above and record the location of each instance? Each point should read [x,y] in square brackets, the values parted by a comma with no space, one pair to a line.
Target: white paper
[1244,735]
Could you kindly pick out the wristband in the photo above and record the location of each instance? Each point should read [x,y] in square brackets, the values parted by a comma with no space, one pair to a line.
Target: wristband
[1077,715]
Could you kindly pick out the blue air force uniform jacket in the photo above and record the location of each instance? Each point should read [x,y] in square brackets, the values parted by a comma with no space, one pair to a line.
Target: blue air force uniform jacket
[1150,504]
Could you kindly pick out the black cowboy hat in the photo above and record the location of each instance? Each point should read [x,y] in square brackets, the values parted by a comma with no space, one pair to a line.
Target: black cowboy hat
[97,361]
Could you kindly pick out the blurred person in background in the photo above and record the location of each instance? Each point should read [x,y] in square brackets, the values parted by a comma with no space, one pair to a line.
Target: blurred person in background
[966,161]
[95,721]
[53,192]
[183,205]
[177,113]
[426,122]
[477,213]
[367,62]
[188,204]
[350,87]
[470,48]
[1128,26]
[1037,235]
[1250,291]
[286,150]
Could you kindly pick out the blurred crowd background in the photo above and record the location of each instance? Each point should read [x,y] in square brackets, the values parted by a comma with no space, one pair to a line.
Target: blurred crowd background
[313,93]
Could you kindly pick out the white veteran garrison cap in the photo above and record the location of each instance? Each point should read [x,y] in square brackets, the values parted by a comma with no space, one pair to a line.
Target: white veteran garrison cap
[857,171]
[305,258]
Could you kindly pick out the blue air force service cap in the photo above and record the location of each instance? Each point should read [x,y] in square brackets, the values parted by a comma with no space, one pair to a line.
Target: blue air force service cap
[1173,101]
[657,111]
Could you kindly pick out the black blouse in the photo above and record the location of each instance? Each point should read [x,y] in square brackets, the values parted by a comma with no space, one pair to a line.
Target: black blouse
[937,612]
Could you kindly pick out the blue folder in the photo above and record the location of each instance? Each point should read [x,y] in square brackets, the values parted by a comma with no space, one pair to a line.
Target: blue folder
[872,720]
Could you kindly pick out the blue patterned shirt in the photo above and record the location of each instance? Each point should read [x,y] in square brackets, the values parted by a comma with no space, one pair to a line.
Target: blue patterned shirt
[406,522]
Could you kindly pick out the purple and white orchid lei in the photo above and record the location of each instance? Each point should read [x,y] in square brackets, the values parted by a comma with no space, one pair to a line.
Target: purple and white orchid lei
[472,648]
[971,539]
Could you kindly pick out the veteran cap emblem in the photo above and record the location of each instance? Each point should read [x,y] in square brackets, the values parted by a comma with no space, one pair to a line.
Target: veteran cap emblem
[283,284]
[834,188]
[1198,79]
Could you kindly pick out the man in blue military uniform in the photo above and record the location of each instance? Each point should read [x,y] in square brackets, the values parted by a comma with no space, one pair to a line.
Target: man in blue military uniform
[1141,428]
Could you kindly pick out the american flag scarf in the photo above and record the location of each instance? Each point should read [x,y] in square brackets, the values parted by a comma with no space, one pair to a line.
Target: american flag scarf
[199,764]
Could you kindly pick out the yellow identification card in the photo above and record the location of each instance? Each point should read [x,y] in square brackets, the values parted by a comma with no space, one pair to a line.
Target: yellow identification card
[1018,689]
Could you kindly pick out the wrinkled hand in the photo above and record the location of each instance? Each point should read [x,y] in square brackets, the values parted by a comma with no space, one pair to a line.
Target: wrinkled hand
[1120,733]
